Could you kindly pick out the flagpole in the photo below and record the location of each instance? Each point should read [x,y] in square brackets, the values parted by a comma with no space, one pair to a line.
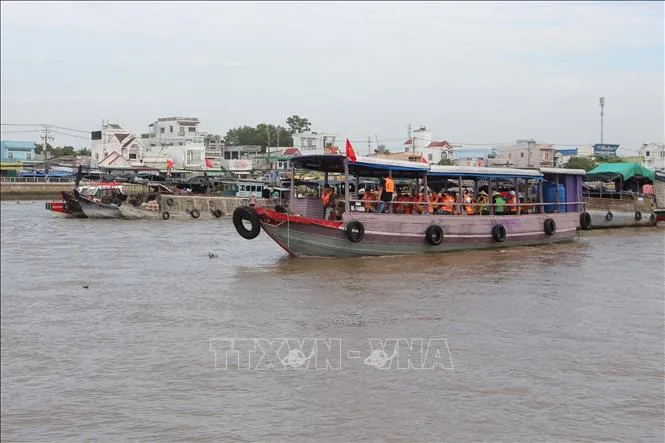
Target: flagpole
[347,194]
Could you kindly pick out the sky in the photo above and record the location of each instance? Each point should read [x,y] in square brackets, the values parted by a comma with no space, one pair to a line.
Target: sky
[474,73]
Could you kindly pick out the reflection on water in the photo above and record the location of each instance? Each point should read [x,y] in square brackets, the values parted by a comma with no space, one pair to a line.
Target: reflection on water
[560,342]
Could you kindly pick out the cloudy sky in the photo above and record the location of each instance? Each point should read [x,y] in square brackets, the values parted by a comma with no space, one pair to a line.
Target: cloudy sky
[473,73]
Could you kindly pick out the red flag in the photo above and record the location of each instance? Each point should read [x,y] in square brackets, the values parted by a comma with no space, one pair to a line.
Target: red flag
[424,160]
[169,163]
[350,153]
[208,163]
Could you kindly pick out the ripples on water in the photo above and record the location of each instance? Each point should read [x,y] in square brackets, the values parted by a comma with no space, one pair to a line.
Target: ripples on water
[558,343]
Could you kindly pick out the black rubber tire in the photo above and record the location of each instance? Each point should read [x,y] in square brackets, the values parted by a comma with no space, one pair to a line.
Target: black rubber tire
[244,213]
[499,233]
[549,226]
[652,219]
[280,209]
[166,215]
[609,216]
[169,201]
[217,213]
[195,213]
[434,235]
[638,215]
[585,220]
[355,231]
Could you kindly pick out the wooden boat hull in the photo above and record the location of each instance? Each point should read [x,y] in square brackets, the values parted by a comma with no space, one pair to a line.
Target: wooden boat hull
[620,219]
[131,212]
[392,234]
[98,210]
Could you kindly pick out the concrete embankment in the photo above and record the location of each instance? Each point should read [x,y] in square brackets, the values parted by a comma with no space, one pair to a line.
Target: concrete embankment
[48,191]
[182,206]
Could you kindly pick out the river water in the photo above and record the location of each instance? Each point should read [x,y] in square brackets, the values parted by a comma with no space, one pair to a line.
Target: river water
[555,343]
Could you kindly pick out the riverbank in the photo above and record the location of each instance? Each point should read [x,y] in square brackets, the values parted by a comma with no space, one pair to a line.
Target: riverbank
[48,191]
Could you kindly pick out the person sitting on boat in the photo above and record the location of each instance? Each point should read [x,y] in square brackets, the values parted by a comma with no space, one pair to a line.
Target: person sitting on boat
[386,195]
[498,203]
[447,204]
[328,202]
[369,201]
[399,206]
[408,206]
[434,200]
[468,202]
[483,202]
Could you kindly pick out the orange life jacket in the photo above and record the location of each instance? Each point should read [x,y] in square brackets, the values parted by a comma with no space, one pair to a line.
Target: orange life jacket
[326,198]
[390,185]
[468,200]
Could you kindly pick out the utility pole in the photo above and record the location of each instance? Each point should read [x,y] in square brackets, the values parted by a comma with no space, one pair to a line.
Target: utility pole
[369,146]
[46,139]
[530,153]
[602,114]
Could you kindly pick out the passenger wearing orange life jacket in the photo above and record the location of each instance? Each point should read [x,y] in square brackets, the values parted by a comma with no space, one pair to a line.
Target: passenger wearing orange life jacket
[368,199]
[328,201]
[512,201]
[408,205]
[433,202]
[468,202]
[386,194]
[448,202]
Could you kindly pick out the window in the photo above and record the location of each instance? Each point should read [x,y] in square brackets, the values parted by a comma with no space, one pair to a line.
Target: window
[10,154]
[181,143]
[227,156]
[132,156]
[161,130]
[193,157]
[430,157]
[171,128]
[510,155]
[192,129]
[96,155]
[522,154]
[647,153]
[28,156]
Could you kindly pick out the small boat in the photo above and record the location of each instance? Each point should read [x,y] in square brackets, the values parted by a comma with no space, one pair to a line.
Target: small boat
[101,200]
[146,205]
[614,196]
[535,215]
[659,196]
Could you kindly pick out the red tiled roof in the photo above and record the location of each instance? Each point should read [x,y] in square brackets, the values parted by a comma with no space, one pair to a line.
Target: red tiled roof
[121,137]
[443,144]
[291,151]
[408,142]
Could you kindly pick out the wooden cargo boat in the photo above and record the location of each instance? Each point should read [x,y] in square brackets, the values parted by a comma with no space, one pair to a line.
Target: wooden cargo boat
[614,197]
[424,227]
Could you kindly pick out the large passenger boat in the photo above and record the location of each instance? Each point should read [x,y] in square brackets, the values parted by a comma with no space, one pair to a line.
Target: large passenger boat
[433,209]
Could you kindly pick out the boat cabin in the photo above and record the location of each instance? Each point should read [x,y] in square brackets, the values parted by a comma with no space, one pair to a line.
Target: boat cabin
[427,190]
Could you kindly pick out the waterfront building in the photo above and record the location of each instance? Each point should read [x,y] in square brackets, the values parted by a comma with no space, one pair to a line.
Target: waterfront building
[525,153]
[13,154]
[653,156]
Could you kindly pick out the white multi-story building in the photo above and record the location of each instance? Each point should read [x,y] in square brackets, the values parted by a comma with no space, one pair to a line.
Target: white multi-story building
[113,140]
[313,143]
[653,156]
[432,151]
[526,153]
[177,139]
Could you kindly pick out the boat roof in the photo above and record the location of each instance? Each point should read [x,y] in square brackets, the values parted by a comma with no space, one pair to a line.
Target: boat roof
[482,172]
[363,166]
[625,170]
[563,171]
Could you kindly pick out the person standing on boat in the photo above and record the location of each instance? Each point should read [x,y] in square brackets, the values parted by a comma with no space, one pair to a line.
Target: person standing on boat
[328,201]
[385,194]
[483,201]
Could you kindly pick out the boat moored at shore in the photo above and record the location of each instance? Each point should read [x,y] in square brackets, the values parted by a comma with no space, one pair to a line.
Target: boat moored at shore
[614,196]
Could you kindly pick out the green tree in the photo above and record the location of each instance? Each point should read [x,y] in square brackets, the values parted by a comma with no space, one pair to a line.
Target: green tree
[83,151]
[298,124]
[609,159]
[445,162]
[263,135]
[381,150]
[580,163]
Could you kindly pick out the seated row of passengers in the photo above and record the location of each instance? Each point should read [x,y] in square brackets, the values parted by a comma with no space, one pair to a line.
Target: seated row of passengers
[443,203]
